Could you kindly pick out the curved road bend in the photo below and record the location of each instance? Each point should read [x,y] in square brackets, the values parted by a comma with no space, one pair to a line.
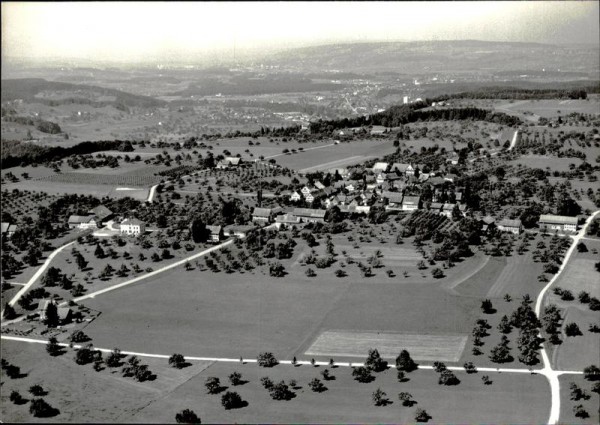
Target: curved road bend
[547,371]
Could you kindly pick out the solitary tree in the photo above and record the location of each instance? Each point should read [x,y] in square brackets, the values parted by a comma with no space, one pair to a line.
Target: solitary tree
[374,361]
[406,399]
[316,385]
[362,374]
[405,362]
[52,347]
[187,416]
[421,415]
[235,378]
[379,397]
[177,361]
[231,400]
[212,384]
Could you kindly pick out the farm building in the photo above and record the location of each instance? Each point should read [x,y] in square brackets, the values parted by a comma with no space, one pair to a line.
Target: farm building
[355,209]
[8,230]
[309,198]
[436,207]
[239,231]
[558,222]
[229,162]
[83,221]
[447,210]
[262,215]
[64,313]
[342,172]
[133,226]
[394,200]
[411,170]
[410,203]
[512,226]
[310,215]
[295,197]
[487,223]
[216,233]
[287,220]
[306,190]
[399,167]
[379,167]
[319,186]
[102,213]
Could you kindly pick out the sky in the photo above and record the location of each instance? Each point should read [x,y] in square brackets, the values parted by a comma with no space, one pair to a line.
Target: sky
[122,31]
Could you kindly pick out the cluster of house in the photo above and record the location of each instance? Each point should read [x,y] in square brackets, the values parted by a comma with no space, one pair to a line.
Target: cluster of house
[296,217]
[99,216]
[547,222]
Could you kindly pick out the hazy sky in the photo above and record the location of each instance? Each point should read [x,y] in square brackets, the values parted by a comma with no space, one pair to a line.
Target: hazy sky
[133,31]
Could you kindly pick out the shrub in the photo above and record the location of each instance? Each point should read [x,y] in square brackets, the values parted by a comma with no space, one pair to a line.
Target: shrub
[177,361]
[212,384]
[187,416]
[231,400]
[266,382]
[571,329]
[235,378]
[421,415]
[267,360]
[40,409]
[362,374]
[316,385]
[37,390]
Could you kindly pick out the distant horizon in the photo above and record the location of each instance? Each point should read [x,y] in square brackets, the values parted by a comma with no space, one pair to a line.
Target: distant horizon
[198,60]
[155,32]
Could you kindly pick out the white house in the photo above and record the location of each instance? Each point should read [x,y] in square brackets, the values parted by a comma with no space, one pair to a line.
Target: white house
[410,203]
[216,233]
[295,197]
[133,226]
[558,222]
[512,226]
[306,190]
[379,167]
[83,221]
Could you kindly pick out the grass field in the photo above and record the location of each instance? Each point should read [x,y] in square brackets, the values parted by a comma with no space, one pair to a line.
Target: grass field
[546,161]
[104,396]
[422,347]
[591,406]
[578,352]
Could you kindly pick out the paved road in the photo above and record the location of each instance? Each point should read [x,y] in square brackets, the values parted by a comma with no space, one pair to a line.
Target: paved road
[153,273]
[152,193]
[37,274]
[513,142]
[283,362]
[547,371]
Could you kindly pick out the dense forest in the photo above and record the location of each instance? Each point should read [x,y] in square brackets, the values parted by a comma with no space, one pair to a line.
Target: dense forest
[19,153]
[515,93]
[404,114]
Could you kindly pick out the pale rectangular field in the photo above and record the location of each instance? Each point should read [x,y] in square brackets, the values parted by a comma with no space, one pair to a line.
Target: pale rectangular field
[580,275]
[357,344]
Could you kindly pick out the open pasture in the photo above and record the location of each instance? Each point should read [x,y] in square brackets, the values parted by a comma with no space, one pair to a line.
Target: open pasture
[567,416]
[550,108]
[546,161]
[577,352]
[179,310]
[421,347]
[510,399]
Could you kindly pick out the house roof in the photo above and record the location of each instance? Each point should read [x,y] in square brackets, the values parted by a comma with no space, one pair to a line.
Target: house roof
[287,218]
[63,312]
[5,227]
[214,230]
[309,212]
[319,185]
[233,160]
[395,197]
[510,223]
[101,211]
[488,220]
[557,219]
[132,222]
[77,219]
[411,200]
[436,206]
[448,206]
[262,212]
[402,167]
[380,166]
